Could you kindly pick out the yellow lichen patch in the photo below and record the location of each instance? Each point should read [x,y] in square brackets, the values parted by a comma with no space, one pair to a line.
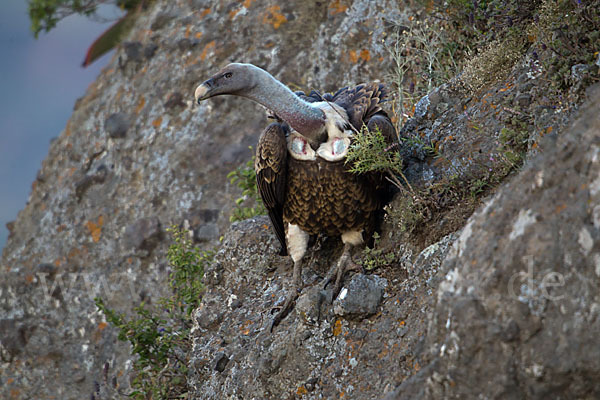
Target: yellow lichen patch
[95,228]
[74,252]
[336,7]
[429,6]
[365,55]
[353,56]
[274,17]
[140,105]
[205,12]
[506,87]
[198,35]
[337,327]
[301,391]
[234,12]
[119,94]
[156,123]
[206,49]
[192,61]
[483,99]
[245,327]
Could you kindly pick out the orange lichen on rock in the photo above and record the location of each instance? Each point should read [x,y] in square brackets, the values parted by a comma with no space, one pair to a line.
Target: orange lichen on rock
[274,17]
[336,7]
[95,228]
[301,391]
[245,327]
[141,104]
[156,123]
[206,49]
[365,55]
[205,12]
[337,327]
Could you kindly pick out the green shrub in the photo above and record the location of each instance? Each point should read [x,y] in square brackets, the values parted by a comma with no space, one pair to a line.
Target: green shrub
[249,204]
[160,340]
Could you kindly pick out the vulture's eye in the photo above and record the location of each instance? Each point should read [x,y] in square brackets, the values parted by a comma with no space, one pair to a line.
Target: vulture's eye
[228,75]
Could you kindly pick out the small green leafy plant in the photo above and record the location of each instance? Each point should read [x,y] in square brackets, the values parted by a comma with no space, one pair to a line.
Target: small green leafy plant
[369,152]
[249,204]
[160,340]
[376,257]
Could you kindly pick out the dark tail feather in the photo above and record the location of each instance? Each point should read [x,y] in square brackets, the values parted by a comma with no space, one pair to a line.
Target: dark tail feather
[278,228]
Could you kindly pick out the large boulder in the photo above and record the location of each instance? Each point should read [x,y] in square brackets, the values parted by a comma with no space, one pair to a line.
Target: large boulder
[517,315]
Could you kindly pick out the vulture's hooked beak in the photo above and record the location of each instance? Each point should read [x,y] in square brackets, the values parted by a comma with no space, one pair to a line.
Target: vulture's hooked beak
[203,91]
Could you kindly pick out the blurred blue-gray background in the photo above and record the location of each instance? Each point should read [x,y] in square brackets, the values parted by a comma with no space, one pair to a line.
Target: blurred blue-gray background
[40,80]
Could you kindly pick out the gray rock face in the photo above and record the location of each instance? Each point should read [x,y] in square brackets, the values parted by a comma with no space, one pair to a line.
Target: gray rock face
[511,312]
[313,352]
[517,313]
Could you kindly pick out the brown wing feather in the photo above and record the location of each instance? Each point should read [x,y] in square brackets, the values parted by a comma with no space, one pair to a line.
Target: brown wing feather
[270,165]
[361,102]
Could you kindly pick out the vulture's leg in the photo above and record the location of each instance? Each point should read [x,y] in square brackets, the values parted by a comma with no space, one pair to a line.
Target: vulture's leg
[345,263]
[297,242]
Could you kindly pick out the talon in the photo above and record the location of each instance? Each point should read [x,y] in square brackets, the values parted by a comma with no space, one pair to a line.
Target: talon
[288,305]
[343,265]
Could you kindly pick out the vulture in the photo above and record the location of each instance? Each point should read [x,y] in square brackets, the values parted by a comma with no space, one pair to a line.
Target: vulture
[300,165]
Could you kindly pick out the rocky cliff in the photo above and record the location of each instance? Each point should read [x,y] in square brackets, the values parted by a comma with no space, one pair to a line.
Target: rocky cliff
[504,303]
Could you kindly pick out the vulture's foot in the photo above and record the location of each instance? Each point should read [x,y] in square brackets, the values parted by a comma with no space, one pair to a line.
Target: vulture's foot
[344,264]
[287,306]
[291,297]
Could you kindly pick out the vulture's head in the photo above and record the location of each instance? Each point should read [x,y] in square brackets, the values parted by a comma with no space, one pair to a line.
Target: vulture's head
[234,79]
